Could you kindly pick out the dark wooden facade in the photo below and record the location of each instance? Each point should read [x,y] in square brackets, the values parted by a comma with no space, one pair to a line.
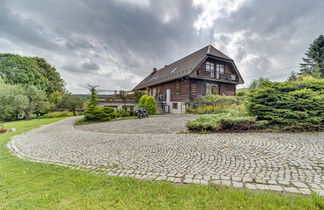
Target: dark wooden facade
[195,85]
[206,71]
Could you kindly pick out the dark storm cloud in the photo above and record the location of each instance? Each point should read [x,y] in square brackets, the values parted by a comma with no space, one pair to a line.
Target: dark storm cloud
[23,30]
[116,43]
[277,32]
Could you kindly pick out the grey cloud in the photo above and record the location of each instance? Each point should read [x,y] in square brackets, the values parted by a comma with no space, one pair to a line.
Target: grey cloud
[93,39]
[90,66]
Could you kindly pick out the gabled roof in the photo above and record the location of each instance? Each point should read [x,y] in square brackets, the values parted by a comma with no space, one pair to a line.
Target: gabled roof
[182,67]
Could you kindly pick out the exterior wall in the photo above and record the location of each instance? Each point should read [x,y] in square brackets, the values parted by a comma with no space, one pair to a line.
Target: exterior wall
[198,88]
[175,97]
[201,72]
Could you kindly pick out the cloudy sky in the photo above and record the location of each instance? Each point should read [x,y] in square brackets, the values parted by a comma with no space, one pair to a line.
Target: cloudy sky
[116,43]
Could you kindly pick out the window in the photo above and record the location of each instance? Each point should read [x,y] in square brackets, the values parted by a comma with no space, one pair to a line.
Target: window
[233,77]
[174,105]
[217,71]
[221,69]
[211,89]
[210,67]
[177,87]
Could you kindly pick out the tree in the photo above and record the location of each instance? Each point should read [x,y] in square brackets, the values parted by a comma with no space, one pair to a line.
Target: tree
[93,96]
[257,83]
[8,100]
[54,83]
[32,100]
[55,98]
[313,63]
[72,102]
[15,69]
[15,99]
[293,76]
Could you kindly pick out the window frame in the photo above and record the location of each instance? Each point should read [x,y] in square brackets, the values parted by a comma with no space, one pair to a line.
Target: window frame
[174,105]
[177,87]
[221,69]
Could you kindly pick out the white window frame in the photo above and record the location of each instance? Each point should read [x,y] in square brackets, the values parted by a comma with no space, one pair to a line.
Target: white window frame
[212,70]
[208,66]
[217,71]
[221,69]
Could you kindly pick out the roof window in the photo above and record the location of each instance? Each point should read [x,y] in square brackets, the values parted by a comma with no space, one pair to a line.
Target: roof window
[174,69]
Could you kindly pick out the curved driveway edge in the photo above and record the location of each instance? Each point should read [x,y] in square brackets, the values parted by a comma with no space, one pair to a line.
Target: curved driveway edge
[263,161]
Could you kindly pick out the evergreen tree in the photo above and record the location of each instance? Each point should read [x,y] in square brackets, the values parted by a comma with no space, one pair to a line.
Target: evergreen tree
[93,97]
[314,60]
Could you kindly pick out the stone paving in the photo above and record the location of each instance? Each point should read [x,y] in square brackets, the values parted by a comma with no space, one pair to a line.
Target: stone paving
[258,161]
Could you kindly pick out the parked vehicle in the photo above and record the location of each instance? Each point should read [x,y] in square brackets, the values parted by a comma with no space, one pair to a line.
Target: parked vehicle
[141,113]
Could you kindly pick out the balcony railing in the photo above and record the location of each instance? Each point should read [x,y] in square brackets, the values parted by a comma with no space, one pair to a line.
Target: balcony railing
[227,76]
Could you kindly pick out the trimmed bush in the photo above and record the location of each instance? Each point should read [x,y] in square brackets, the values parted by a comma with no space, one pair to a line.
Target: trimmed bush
[212,104]
[121,113]
[98,114]
[289,106]
[232,120]
[57,114]
[148,103]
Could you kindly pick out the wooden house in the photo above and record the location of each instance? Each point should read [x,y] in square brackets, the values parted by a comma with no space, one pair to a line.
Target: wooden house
[206,71]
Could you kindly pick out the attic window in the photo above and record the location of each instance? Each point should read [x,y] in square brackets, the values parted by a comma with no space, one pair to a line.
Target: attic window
[174,69]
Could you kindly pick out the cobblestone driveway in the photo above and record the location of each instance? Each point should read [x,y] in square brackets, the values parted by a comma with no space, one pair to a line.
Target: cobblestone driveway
[265,161]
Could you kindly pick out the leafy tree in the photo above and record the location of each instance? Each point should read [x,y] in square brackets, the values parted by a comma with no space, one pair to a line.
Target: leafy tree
[54,81]
[15,69]
[257,83]
[313,63]
[32,100]
[56,98]
[15,99]
[8,100]
[72,102]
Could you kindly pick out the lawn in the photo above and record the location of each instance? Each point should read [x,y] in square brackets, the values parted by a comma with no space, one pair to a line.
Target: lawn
[29,185]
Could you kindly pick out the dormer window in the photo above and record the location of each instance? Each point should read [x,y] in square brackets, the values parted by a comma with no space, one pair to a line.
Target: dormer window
[174,69]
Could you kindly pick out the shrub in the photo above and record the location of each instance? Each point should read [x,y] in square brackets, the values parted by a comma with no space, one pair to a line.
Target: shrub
[211,104]
[232,120]
[57,114]
[149,103]
[120,113]
[290,106]
[98,114]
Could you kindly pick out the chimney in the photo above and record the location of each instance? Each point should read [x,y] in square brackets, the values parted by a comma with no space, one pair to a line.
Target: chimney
[154,71]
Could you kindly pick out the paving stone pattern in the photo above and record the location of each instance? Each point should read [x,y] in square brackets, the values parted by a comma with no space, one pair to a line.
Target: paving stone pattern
[258,161]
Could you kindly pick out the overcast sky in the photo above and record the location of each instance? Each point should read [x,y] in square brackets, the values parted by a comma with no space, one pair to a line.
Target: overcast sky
[116,43]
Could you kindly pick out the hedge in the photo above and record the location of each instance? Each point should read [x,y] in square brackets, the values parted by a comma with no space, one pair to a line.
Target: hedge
[289,106]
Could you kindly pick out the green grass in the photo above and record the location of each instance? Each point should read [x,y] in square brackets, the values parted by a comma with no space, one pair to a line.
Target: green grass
[29,185]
